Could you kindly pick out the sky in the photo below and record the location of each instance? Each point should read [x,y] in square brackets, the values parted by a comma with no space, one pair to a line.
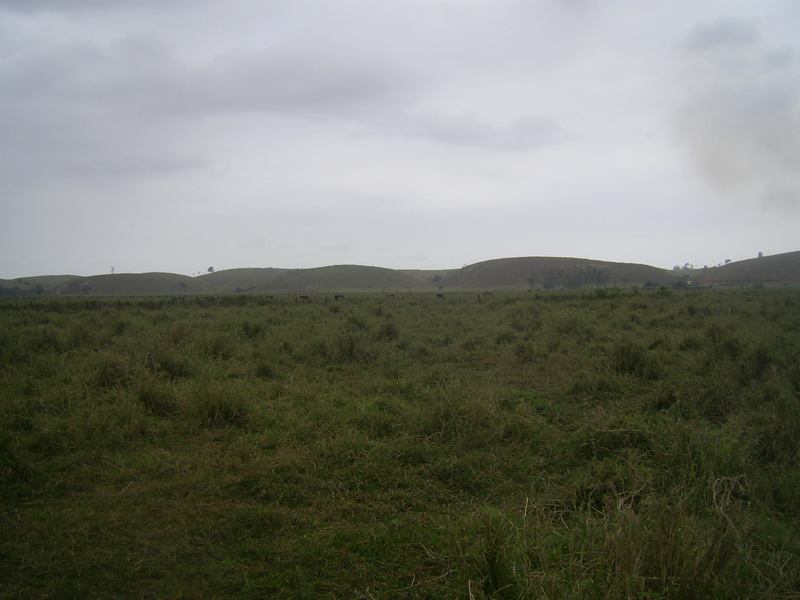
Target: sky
[178,135]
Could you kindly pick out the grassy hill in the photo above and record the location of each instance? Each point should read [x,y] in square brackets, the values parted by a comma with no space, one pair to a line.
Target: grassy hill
[344,278]
[552,273]
[31,286]
[780,269]
[519,273]
[236,281]
[131,284]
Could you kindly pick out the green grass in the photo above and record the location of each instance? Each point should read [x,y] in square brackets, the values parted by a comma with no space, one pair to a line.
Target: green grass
[532,445]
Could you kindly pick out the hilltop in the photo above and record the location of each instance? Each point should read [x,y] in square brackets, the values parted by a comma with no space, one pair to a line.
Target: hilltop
[555,273]
[520,273]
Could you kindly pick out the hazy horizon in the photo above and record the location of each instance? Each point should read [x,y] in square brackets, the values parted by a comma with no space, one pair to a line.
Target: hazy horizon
[174,136]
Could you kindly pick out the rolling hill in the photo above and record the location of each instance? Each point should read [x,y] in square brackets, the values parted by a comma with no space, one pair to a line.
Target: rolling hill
[521,273]
[131,284]
[344,278]
[237,281]
[32,286]
[779,269]
[554,273]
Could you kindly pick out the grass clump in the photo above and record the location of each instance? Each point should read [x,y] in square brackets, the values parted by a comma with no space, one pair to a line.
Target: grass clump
[157,398]
[213,404]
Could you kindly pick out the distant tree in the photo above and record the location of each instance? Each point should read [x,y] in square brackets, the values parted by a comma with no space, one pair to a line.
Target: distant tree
[210,269]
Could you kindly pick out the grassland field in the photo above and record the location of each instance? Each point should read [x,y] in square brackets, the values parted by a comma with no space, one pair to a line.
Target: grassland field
[599,445]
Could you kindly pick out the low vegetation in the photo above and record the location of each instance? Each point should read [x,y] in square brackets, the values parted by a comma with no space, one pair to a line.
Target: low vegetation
[603,445]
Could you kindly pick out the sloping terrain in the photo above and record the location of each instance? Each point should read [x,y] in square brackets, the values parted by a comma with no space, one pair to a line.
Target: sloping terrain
[343,278]
[554,273]
[131,284]
[31,286]
[780,269]
[519,273]
[236,281]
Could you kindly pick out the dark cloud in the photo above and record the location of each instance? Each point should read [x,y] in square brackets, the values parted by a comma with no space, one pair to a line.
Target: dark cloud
[741,115]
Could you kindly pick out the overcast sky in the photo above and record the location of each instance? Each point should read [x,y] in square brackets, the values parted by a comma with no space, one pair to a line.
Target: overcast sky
[175,135]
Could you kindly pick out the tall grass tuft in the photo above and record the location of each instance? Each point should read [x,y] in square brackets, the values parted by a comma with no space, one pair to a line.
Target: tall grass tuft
[156,398]
[632,358]
[214,404]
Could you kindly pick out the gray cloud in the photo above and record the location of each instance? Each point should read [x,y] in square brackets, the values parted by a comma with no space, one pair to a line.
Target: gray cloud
[524,133]
[441,131]
[741,115]
[34,6]
[726,31]
[140,75]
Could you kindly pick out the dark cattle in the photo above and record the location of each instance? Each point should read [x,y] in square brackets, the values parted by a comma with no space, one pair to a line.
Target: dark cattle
[338,297]
[440,296]
[302,299]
